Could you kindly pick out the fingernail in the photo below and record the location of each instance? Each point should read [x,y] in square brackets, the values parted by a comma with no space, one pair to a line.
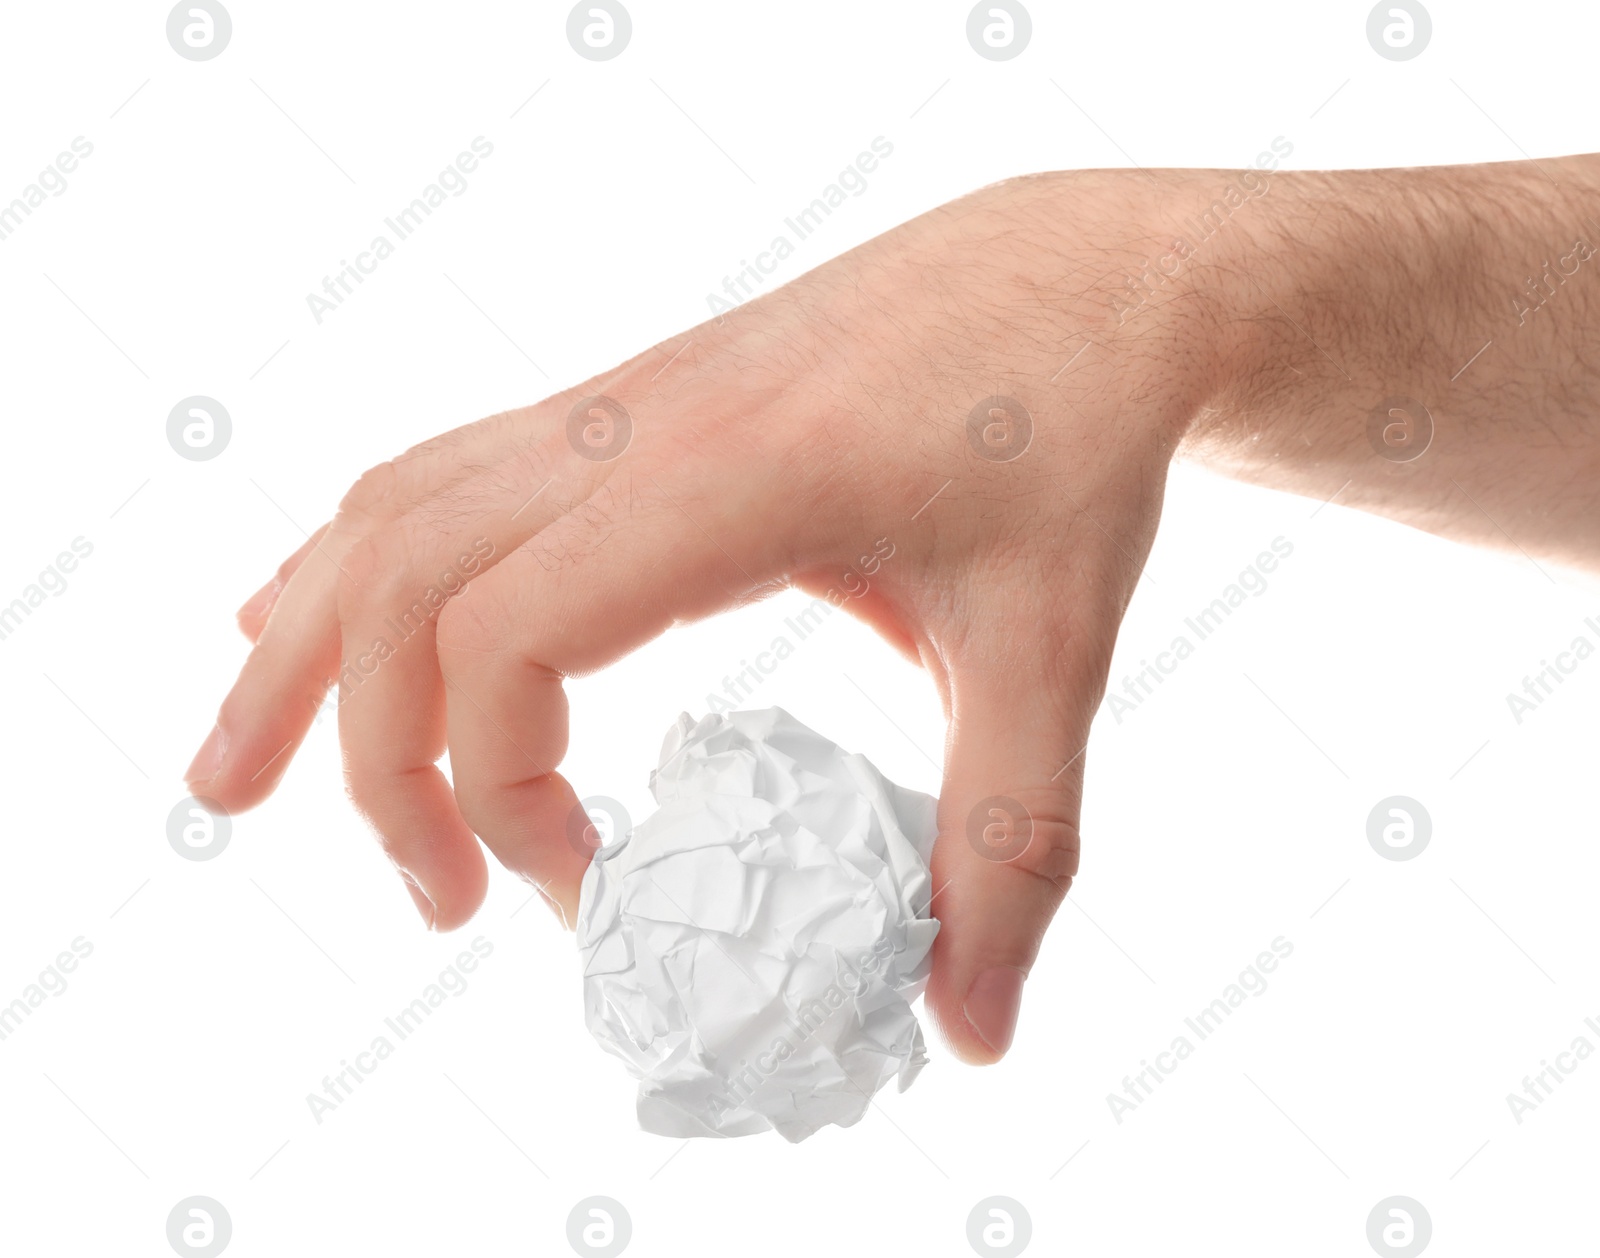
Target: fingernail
[208,760]
[424,905]
[260,603]
[992,1004]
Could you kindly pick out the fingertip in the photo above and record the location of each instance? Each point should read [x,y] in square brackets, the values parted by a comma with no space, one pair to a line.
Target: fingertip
[994,999]
[445,911]
[977,1019]
[229,783]
[250,626]
[993,915]
[213,776]
[469,888]
[419,897]
[565,898]
[562,901]
[207,761]
[451,901]
[252,614]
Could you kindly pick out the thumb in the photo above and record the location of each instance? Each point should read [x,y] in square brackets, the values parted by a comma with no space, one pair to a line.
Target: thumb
[1008,842]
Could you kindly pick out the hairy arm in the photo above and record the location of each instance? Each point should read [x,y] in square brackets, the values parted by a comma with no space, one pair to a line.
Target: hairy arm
[1423,344]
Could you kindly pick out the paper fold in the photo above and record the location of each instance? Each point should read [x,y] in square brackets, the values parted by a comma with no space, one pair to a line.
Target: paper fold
[752,949]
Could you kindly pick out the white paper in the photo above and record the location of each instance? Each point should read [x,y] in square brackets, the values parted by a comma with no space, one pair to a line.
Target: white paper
[751,951]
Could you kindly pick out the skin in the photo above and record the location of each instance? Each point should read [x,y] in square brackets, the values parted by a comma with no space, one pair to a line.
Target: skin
[778,444]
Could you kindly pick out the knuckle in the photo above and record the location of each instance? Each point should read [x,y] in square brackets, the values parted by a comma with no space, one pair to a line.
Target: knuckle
[585,528]
[1052,851]
[371,574]
[1034,833]
[373,489]
[489,431]
[286,570]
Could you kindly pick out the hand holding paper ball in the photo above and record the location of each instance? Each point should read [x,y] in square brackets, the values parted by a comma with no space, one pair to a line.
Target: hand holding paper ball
[751,951]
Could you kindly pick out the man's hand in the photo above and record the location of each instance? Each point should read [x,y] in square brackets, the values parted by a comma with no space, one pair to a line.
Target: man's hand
[991,394]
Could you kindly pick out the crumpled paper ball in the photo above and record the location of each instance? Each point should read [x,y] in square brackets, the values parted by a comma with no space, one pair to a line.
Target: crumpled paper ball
[752,949]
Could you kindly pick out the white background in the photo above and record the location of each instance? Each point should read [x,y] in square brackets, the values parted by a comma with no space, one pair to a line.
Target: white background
[178,1060]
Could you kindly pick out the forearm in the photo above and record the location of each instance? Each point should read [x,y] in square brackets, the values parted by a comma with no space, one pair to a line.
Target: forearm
[1342,300]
